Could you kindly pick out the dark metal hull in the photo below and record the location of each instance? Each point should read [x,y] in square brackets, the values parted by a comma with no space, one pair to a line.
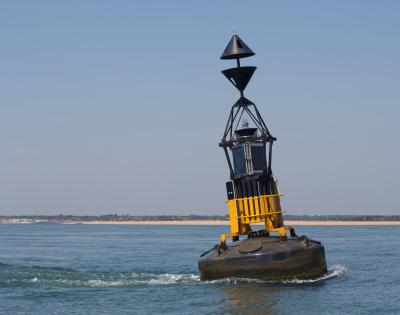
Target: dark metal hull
[267,258]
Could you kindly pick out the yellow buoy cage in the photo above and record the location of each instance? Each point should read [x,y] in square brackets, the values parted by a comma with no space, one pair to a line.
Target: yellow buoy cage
[251,210]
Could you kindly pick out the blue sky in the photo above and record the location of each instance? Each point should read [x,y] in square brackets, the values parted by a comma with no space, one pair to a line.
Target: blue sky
[118,106]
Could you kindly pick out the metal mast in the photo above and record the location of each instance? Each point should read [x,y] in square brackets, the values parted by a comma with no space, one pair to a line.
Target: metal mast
[252,192]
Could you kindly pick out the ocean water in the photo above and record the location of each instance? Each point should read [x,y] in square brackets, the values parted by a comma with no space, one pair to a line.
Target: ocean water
[111,269]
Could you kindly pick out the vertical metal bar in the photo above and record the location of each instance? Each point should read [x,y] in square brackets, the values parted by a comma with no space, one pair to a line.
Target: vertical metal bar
[265,170]
[231,120]
[256,200]
[245,201]
[253,118]
[250,199]
[270,159]
[228,124]
[240,117]
[231,126]
[229,163]
[260,118]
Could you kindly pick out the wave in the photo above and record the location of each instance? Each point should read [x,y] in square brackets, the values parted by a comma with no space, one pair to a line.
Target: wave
[11,276]
[335,271]
[131,280]
[66,277]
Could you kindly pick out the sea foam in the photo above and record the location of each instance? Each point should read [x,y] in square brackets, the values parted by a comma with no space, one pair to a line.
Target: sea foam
[47,276]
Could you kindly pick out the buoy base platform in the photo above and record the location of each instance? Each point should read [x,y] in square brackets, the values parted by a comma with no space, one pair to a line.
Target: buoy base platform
[265,258]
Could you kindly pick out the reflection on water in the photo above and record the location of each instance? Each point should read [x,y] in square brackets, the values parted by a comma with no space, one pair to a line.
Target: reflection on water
[252,298]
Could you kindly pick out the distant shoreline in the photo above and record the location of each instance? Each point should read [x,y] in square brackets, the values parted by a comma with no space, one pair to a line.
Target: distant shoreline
[226,222]
[212,222]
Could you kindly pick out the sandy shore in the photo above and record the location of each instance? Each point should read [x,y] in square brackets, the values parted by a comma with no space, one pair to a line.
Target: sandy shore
[222,222]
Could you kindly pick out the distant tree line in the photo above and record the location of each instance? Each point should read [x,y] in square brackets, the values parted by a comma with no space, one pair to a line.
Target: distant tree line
[341,217]
[193,217]
[113,217]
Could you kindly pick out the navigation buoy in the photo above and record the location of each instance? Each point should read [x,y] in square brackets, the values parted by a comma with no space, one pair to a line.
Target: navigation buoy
[254,198]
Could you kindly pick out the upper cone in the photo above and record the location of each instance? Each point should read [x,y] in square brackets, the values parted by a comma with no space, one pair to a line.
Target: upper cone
[236,48]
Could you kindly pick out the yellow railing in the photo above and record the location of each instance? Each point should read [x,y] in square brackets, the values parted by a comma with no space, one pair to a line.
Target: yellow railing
[256,209]
[264,209]
[260,209]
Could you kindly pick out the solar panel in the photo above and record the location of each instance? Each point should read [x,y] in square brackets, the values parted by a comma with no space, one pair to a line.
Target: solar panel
[239,164]
[258,157]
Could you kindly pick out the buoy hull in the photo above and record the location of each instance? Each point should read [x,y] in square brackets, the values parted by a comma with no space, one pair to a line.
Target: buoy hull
[266,258]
